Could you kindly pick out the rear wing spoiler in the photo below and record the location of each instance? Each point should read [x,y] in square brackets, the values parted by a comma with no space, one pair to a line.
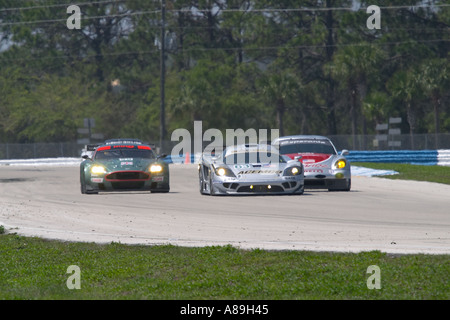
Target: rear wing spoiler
[89,150]
[91,147]
[123,141]
[132,141]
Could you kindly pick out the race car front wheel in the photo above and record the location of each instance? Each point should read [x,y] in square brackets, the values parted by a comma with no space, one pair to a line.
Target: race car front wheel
[83,185]
[84,189]
[212,189]
[200,181]
[165,188]
[205,187]
[345,187]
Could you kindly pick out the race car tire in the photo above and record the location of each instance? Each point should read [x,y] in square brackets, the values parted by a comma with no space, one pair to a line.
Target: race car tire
[200,181]
[165,189]
[346,188]
[83,186]
[160,191]
[300,191]
[212,190]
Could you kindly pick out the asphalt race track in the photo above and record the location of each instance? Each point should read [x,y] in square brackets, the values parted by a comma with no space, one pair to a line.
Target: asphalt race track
[378,214]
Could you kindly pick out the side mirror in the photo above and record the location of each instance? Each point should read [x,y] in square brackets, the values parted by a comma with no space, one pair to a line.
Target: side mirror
[162,156]
[344,152]
[85,157]
[298,158]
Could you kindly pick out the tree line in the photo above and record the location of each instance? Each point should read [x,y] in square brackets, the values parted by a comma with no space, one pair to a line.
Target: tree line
[302,66]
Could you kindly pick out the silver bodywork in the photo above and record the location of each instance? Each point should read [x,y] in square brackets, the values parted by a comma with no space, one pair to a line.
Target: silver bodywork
[320,160]
[249,169]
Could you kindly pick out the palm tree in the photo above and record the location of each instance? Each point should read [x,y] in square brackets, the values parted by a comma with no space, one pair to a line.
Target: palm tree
[434,79]
[279,89]
[354,67]
[404,87]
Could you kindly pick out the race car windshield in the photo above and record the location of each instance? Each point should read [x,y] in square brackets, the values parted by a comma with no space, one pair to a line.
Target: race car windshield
[124,153]
[254,157]
[324,148]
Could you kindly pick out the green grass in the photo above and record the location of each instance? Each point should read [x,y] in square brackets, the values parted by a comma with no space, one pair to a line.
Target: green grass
[32,268]
[439,174]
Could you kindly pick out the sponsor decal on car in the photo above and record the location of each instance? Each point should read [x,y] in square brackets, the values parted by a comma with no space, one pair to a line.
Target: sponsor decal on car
[304,141]
[260,172]
[242,166]
[316,166]
[97,180]
[314,170]
[158,179]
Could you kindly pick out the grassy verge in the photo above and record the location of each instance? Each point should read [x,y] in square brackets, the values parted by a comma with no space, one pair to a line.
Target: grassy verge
[438,174]
[32,268]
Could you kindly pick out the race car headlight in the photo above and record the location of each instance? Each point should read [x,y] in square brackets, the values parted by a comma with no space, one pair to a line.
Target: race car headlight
[340,164]
[155,168]
[222,172]
[98,169]
[292,171]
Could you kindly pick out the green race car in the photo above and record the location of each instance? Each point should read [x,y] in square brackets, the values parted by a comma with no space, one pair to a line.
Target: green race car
[123,165]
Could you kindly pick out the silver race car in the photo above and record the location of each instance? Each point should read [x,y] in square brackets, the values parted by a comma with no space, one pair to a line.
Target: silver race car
[249,169]
[324,167]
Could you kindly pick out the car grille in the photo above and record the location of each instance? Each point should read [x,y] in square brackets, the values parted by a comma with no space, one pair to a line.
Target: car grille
[128,176]
[231,185]
[289,185]
[261,188]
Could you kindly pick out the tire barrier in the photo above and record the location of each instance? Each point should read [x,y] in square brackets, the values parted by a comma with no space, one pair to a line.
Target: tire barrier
[421,157]
[443,157]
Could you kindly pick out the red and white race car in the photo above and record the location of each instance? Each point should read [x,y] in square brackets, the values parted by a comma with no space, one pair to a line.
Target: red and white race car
[324,168]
